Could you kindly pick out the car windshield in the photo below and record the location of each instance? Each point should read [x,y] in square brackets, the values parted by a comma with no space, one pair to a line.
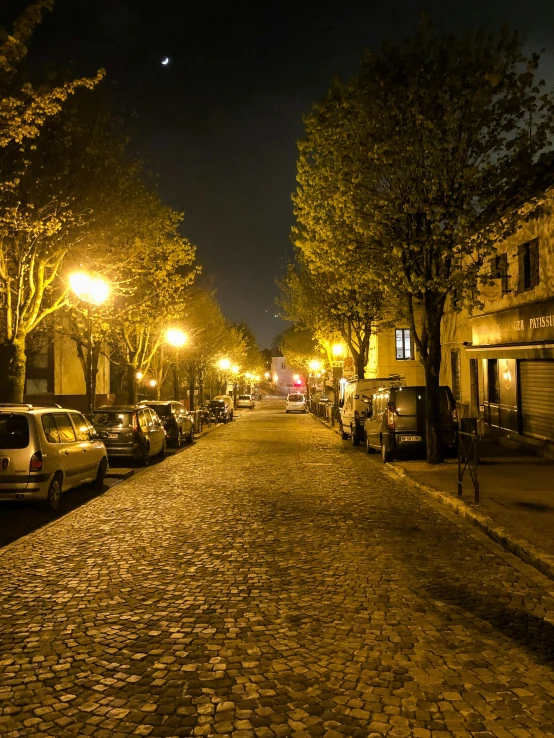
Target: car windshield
[14,431]
[296,398]
[164,411]
[113,419]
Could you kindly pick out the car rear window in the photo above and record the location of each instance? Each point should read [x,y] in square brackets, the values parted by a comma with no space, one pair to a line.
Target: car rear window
[14,431]
[406,401]
[164,411]
[244,397]
[112,419]
[296,398]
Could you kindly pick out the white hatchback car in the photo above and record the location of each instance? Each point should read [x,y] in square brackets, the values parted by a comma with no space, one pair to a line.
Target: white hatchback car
[46,450]
[296,404]
[245,401]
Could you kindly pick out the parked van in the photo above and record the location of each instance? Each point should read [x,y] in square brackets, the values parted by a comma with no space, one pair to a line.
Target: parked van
[353,409]
[396,416]
[228,400]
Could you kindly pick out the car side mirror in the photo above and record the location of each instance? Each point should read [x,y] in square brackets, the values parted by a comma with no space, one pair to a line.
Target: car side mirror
[94,435]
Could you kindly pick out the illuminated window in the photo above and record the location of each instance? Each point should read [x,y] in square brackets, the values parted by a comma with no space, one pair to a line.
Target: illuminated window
[403,344]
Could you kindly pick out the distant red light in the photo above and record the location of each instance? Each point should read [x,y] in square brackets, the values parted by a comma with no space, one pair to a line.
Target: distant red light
[298,382]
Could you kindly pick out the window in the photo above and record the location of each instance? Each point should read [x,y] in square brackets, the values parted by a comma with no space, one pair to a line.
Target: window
[143,419]
[494,384]
[456,375]
[65,428]
[81,426]
[50,428]
[14,431]
[283,365]
[528,259]
[403,344]
[499,270]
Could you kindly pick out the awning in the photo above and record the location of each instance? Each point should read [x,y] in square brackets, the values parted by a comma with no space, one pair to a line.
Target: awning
[511,351]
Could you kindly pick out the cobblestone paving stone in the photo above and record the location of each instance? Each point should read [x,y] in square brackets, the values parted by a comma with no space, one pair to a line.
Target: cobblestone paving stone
[268,583]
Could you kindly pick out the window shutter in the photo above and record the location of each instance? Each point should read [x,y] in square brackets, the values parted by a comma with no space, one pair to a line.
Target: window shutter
[534,261]
[521,268]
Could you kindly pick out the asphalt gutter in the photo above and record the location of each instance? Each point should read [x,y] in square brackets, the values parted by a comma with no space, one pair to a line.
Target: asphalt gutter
[520,547]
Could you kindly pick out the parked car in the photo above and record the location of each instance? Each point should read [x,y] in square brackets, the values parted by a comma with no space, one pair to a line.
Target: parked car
[135,431]
[353,409]
[228,399]
[176,419]
[220,411]
[245,401]
[296,403]
[46,450]
[396,419]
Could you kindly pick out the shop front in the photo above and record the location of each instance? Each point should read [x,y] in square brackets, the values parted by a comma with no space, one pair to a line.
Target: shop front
[515,350]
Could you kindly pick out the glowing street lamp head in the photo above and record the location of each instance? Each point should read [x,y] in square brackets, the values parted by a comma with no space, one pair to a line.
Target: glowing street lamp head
[235,369]
[275,377]
[89,289]
[296,377]
[315,365]
[224,364]
[337,349]
[176,337]
[267,375]
[152,383]
[139,375]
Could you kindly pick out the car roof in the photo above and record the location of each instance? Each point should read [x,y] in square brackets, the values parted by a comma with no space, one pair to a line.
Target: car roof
[26,407]
[118,408]
[159,402]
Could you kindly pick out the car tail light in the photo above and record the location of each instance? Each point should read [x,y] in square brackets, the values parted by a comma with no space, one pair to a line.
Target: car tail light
[454,416]
[390,416]
[135,422]
[36,462]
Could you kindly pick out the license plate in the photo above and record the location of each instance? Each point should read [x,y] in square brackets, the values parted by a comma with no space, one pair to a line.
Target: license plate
[113,435]
[409,439]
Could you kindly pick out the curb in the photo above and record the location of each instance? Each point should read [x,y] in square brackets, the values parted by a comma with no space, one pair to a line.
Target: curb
[520,547]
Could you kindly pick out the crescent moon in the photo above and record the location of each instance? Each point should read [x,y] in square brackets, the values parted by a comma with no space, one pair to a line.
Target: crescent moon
[165,61]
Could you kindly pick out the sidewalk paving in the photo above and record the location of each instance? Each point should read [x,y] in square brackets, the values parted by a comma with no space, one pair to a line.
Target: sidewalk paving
[516,497]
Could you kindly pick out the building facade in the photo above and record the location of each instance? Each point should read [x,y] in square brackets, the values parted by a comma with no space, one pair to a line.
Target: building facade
[55,374]
[499,360]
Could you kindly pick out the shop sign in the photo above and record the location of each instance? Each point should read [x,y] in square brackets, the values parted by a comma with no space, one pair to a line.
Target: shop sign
[526,324]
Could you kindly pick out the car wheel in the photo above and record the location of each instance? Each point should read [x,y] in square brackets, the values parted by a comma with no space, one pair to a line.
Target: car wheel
[343,433]
[386,453]
[145,456]
[54,497]
[101,474]
[179,440]
[191,434]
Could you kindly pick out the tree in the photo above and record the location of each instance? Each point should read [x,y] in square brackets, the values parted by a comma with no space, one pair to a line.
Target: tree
[300,348]
[412,163]
[326,306]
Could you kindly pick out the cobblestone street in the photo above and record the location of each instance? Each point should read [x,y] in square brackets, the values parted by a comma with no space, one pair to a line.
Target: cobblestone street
[271,581]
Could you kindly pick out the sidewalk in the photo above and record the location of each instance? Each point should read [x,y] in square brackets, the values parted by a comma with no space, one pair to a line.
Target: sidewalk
[516,497]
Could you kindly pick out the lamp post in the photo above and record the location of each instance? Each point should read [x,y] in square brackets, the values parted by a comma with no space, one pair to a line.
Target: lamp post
[176,338]
[93,291]
[338,350]
[314,366]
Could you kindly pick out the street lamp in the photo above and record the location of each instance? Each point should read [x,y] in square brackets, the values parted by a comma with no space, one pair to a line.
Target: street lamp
[93,291]
[176,338]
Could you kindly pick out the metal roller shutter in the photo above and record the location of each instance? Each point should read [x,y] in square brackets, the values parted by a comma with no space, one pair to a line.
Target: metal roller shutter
[536,383]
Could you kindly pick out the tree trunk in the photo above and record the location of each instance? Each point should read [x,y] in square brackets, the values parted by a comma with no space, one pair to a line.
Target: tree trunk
[132,395]
[13,363]
[432,364]
[192,382]
[360,365]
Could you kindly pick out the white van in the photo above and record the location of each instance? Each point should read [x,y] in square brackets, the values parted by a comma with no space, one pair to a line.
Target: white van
[227,399]
[353,410]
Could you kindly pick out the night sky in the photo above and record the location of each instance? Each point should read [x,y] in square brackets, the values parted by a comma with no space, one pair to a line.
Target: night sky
[220,122]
